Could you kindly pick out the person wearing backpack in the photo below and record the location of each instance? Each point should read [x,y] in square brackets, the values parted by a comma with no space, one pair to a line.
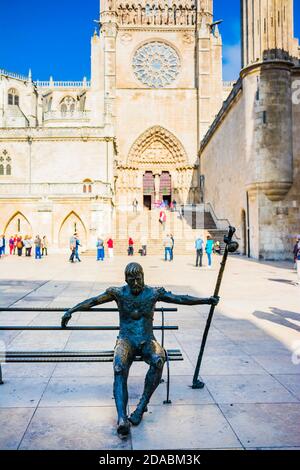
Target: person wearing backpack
[100,249]
[38,246]
[20,246]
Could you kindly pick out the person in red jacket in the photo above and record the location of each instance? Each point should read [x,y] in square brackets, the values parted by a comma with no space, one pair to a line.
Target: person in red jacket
[130,247]
[110,246]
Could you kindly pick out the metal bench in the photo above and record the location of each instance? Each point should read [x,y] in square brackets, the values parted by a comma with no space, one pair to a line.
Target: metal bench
[81,356]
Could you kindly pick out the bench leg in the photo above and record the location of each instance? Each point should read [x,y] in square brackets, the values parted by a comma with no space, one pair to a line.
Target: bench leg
[1,381]
[168,401]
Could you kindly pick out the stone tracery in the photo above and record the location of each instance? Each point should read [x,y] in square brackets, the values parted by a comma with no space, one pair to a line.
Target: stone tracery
[157,146]
[158,13]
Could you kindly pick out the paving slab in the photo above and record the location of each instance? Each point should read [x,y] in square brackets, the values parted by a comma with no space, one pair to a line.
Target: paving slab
[276,364]
[181,392]
[14,422]
[265,425]
[69,428]
[21,392]
[184,427]
[291,382]
[63,392]
[14,370]
[247,389]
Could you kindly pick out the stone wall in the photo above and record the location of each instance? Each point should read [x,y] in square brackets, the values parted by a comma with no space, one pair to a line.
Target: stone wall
[251,161]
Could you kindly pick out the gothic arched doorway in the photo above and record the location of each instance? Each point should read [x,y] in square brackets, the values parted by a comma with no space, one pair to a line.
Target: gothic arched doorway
[18,224]
[156,169]
[71,224]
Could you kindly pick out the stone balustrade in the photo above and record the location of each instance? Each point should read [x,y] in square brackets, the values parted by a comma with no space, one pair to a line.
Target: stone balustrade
[54,189]
[68,115]
[70,84]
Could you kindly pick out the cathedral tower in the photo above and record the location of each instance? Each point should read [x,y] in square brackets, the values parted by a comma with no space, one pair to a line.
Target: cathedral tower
[268,31]
[162,66]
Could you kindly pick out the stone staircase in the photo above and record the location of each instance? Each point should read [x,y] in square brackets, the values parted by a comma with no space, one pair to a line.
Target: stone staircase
[185,226]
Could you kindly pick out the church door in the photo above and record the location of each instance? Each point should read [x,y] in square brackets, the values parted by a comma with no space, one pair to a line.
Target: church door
[165,191]
[148,189]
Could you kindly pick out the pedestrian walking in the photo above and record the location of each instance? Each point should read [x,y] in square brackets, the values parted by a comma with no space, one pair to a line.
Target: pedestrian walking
[130,247]
[100,249]
[1,247]
[15,243]
[209,250]
[297,258]
[20,246]
[135,204]
[173,245]
[3,244]
[72,248]
[38,247]
[27,246]
[168,248]
[295,250]
[199,251]
[77,245]
[163,219]
[11,245]
[110,246]
[45,246]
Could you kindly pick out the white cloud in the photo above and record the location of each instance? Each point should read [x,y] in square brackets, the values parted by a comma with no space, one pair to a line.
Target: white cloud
[231,61]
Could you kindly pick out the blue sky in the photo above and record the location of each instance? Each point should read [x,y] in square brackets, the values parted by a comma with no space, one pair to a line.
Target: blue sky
[53,38]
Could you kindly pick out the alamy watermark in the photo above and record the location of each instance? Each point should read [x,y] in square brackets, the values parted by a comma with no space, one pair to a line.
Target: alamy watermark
[296,92]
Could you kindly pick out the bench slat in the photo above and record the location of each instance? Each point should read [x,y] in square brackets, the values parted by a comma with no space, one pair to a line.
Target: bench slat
[68,353]
[76,328]
[55,359]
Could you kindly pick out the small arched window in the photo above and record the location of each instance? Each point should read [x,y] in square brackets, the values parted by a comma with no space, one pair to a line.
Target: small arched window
[67,105]
[49,105]
[13,97]
[87,186]
[5,164]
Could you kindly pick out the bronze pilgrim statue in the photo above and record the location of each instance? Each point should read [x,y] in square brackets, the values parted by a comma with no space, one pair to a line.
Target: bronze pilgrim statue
[136,303]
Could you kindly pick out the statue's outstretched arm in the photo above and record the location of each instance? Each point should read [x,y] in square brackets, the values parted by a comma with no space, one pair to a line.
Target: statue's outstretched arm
[171,298]
[87,305]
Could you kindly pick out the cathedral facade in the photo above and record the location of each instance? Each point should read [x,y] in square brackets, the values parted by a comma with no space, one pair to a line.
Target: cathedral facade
[72,152]
[151,125]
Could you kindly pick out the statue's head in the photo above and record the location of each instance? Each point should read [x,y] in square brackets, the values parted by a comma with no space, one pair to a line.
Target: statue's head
[134,276]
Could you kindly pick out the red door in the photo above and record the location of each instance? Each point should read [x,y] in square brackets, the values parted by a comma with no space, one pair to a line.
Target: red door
[165,188]
[148,189]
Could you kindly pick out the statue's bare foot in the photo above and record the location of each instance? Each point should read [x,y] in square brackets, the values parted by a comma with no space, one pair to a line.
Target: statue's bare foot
[136,417]
[123,428]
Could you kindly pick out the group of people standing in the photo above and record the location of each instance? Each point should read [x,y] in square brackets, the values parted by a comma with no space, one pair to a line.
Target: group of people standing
[101,249]
[210,247]
[19,245]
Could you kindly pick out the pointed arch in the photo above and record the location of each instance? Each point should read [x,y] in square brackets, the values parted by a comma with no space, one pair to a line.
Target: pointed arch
[157,146]
[70,224]
[18,223]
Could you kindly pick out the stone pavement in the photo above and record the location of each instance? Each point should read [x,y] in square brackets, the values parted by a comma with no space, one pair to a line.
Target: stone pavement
[251,367]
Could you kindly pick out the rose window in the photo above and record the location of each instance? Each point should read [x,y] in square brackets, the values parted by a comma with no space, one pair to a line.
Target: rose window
[156,64]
